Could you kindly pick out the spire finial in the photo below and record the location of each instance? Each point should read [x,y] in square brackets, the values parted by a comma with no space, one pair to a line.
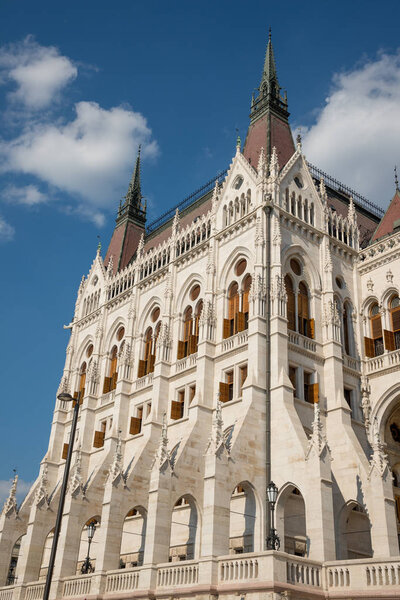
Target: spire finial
[99,245]
[134,196]
[396,179]
[269,75]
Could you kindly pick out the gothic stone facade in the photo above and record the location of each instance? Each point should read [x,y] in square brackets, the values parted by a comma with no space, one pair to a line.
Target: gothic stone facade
[252,314]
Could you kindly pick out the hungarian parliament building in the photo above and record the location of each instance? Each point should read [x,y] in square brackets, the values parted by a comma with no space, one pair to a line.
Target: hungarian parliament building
[236,364]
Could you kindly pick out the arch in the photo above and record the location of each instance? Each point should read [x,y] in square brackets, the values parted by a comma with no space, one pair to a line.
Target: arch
[112,331]
[303,309]
[84,344]
[185,288]
[12,574]
[310,272]
[44,564]
[225,273]
[147,310]
[354,532]
[291,303]
[291,520]
[84,544]
[387,295]
[133,538]
[184,531]
[242,519]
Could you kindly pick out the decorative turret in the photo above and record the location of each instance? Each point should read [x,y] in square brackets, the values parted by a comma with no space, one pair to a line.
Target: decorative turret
[130,224]
[269,124]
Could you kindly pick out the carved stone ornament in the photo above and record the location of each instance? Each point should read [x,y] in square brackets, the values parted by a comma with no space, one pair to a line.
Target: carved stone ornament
[259,234]
[389,276]
[328,257]
[175,223]
[331,314]
[322,191]
[365,402]
[379,460]
[276,235]
[41,494]
[10,505]
[210,267]
[76,486]
[274,165]
[216,443]
[370,285]
[317,442]
[116,473]
[214,199]
[110,268]
[262,165]
[162,458]
[207,315]
[140,247]
[168,292]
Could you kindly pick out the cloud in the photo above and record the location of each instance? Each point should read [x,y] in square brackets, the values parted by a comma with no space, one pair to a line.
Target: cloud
[28,195]
[7,231]
[356,134]
[89,156]
[23,488]
[38,72]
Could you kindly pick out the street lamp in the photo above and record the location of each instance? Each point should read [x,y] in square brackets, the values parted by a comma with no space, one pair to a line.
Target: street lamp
[87,566]
[273,541]
[63,397]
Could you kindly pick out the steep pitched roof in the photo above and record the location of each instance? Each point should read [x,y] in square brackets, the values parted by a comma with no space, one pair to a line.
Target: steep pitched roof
[391,218]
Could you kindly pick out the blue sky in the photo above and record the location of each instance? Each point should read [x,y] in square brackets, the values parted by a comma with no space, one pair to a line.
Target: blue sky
[81,84]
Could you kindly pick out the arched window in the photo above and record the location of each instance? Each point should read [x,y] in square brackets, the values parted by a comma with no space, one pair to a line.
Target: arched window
[302,310]
[133,538]
[110,381]
[242,519]
[245,299]
[291,304]
[190,334]
[374,344]
[146,365]
[82,382]
[238,301]
[348,335]
[184,530]
[233,310]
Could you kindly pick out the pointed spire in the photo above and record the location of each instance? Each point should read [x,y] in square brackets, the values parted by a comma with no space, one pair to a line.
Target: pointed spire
[134,194]
[274,164]
[396,179]
[269,75]
[11,502]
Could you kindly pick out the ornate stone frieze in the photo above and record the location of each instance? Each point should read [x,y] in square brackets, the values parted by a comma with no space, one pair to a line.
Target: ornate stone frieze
[379,461]
[216,443]
[278,296]
[76,487]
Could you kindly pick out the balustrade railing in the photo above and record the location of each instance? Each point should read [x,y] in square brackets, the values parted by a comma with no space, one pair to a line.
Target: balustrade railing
[123,580]
[384,361]
[178,575]
[303,573]
[297,339]
[237,569]
[235,341]
[6,593]
[77,586]
[34,591]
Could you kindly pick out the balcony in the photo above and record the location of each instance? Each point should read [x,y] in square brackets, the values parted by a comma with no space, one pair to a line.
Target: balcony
[235,341]
[301,341]
[388,360]
[264,571]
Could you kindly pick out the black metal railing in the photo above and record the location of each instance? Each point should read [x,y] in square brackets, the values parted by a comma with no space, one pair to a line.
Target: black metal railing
[207,187]
[341,187]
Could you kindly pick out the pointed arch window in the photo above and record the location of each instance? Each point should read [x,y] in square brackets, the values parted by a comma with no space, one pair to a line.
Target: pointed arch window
[346,327]
[303,310]
[146,365]
[298,304]
[374,344]
[291,304]
[82,382]
[392,338]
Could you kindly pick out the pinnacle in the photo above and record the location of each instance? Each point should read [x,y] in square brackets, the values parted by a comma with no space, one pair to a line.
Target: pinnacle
[134,195]
[269,72]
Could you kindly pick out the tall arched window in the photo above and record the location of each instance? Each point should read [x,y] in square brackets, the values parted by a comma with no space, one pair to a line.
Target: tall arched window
[82,382]
[190,328]
[245,299]
[374,344]
[395,318]
[238,301]
[291,304]
[146,365]
[298,301]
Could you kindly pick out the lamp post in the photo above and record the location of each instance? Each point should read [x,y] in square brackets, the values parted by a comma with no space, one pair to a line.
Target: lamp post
[87,566]
[64,397]
[273,541]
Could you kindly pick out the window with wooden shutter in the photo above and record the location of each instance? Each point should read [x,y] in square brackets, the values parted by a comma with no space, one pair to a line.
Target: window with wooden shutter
[181,349]
[313,393]
[389,340]
[226,329]
[241,324]
[113,363]
[346,324]
[369,347]
[311,329]
[150,363]
[291,306]
[142,368]
[396,319]
[98,441]
[76,396]
[135,426]
[303,315]
[229,381]
[223,392]
[107,385]
[113,383]
[376,327]
[177,410]
[65,451]
[193,344]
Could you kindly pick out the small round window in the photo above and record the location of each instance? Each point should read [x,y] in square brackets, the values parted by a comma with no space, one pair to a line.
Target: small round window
[295,266]
[89,351]
[120,333]
[241,267]
[238,182]
[155,314]
[194,292]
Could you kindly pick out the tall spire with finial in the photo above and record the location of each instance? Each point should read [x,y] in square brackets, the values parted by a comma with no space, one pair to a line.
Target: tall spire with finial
[130,223]
[269,125]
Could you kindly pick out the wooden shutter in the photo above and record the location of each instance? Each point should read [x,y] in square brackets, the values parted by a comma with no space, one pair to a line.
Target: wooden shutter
[223,392]
[107,385]
[396,319]
[241,323]
[150,363]
[176,410]
[65,451]
[98,441]
[245,302]
[389,340]
[135,426]
[181,349]
[226,329]
[311,329]
[76,396]
[113,383]
[313,393]
[142,368]
[193,344]
[291,311]
[376,325]
[369,347]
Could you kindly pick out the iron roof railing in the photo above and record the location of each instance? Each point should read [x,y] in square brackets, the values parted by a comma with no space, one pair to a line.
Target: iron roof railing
[340,187]
[202,191]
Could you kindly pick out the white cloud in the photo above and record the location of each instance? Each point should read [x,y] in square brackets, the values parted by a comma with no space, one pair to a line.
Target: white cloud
[7,231]
[90,156]
[29,195]
[356,135]
[23,488]
[38,72]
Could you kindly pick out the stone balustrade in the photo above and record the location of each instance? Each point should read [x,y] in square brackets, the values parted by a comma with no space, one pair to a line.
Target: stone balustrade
[235,341]
[387,360]
[345,578]
[301,341]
